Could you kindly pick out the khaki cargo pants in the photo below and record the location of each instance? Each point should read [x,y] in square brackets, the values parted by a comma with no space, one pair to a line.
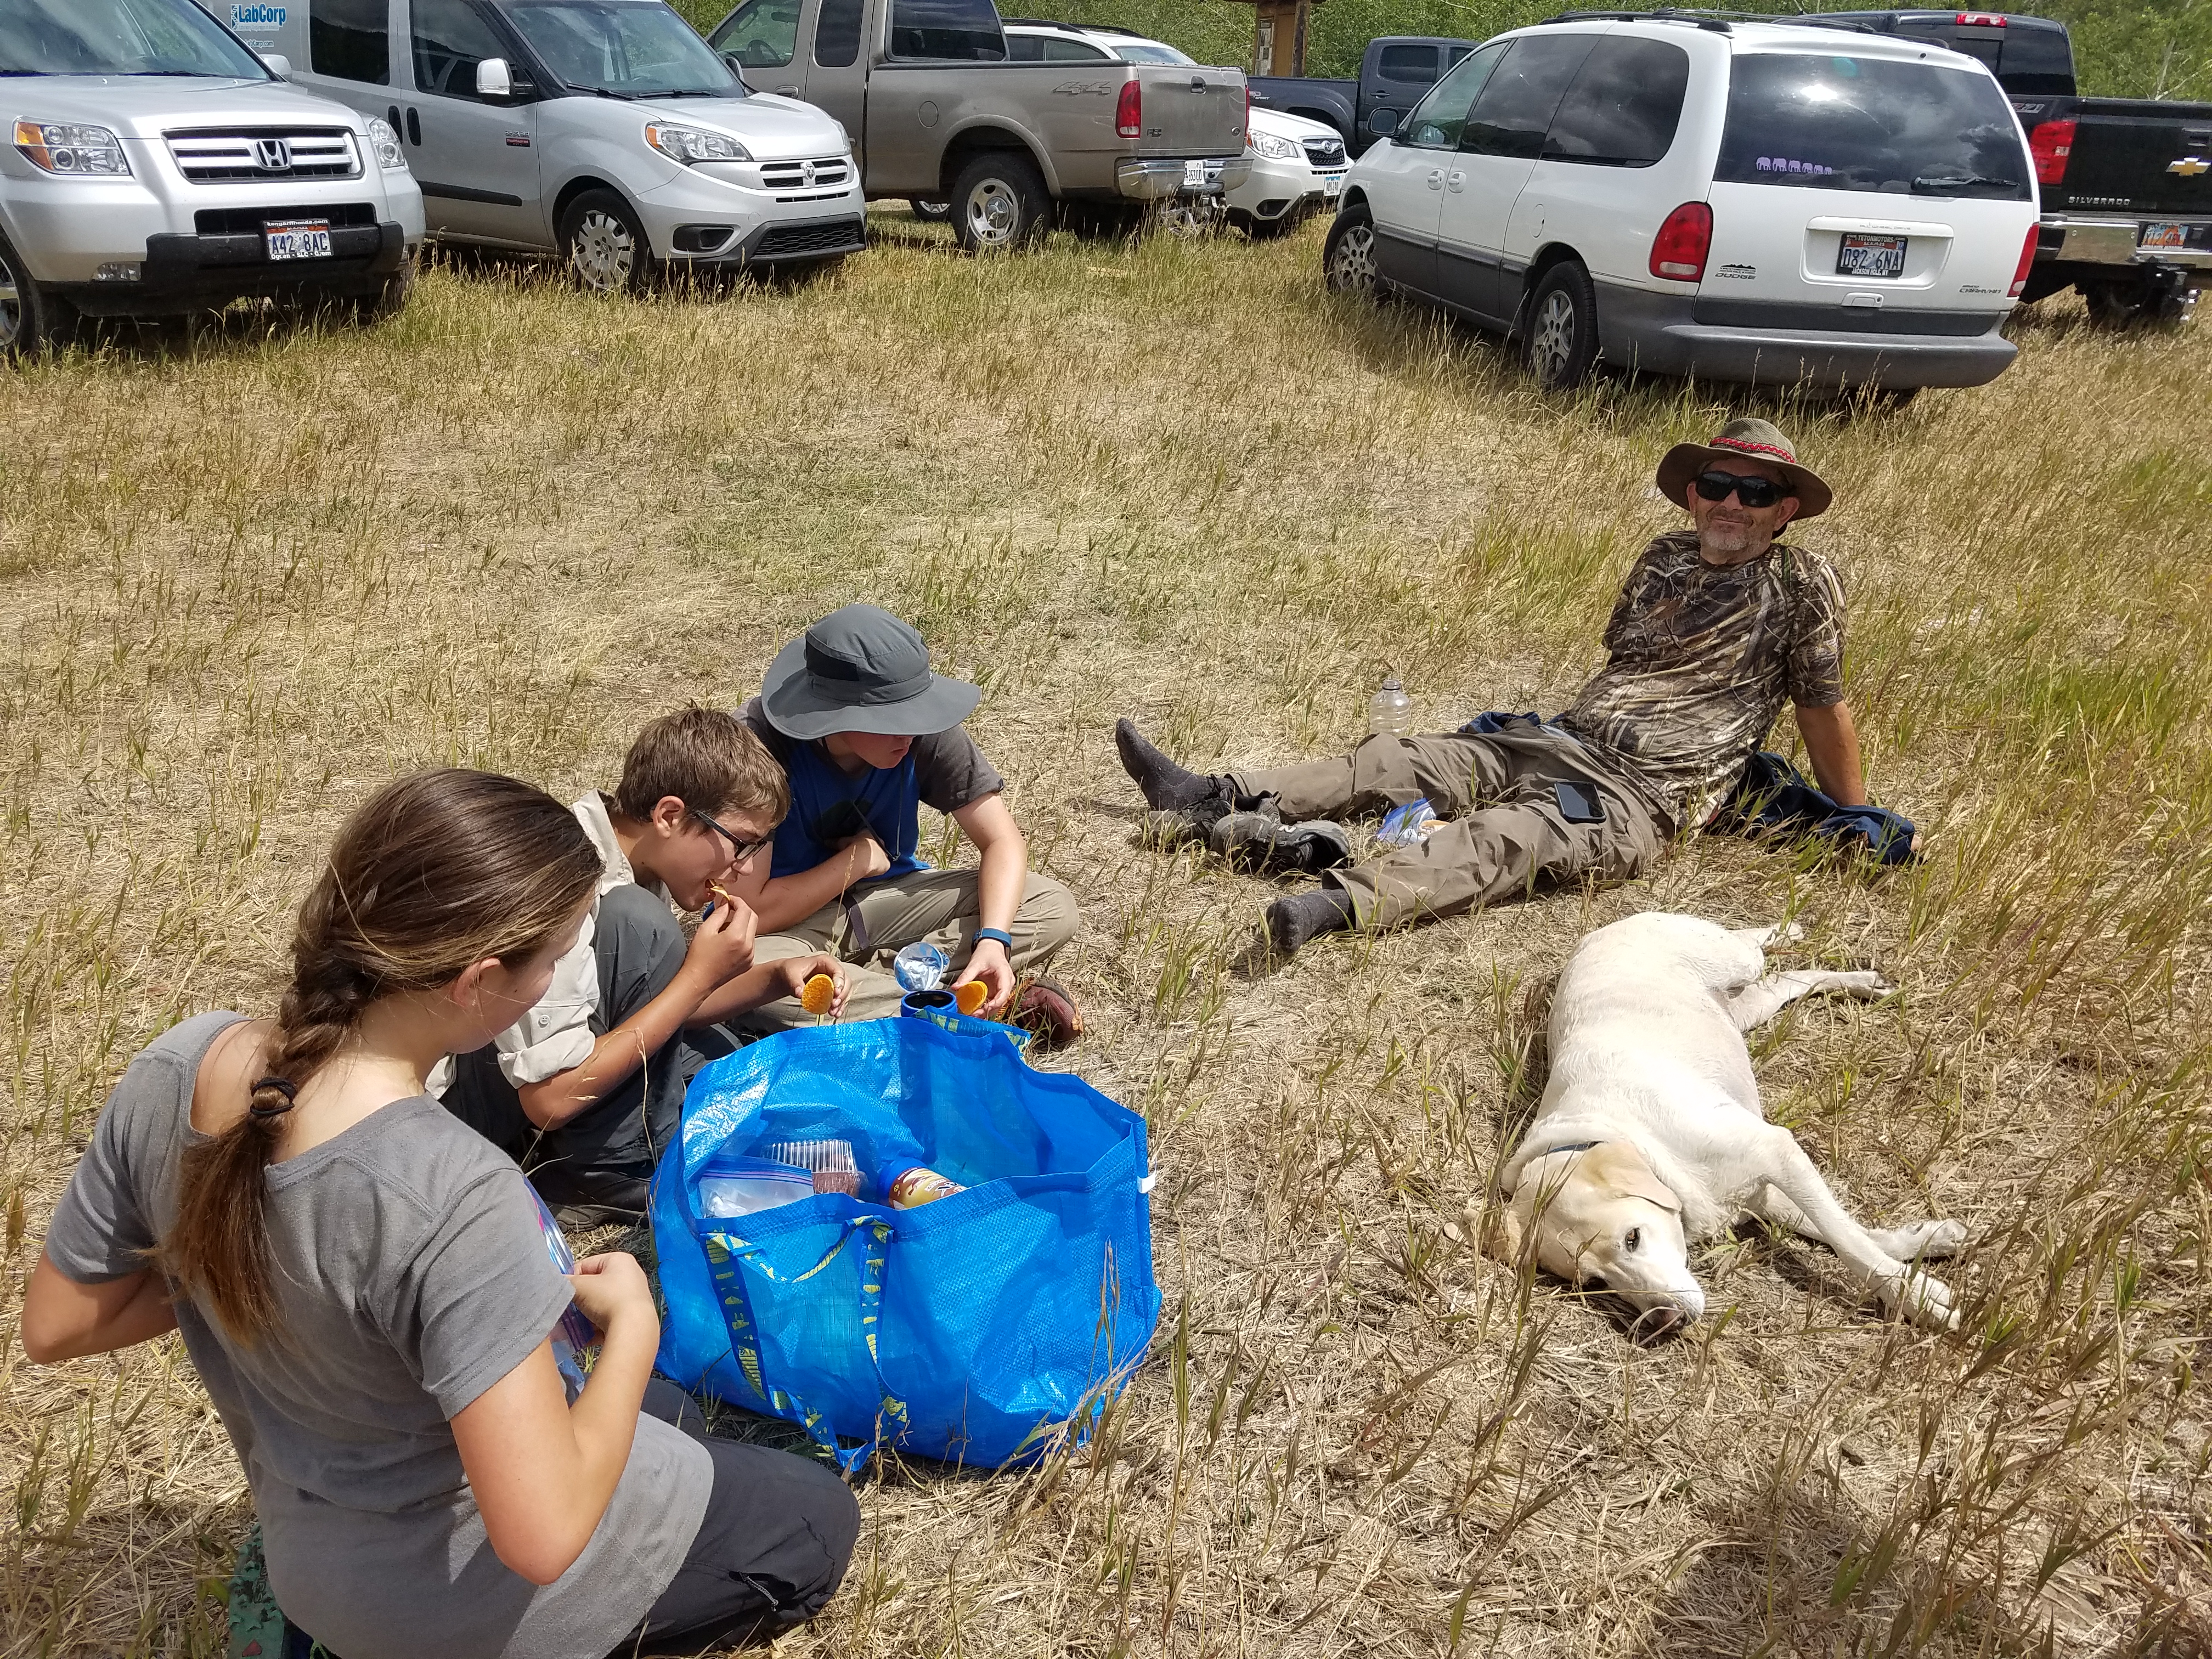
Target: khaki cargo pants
[872,922]
[1506,830]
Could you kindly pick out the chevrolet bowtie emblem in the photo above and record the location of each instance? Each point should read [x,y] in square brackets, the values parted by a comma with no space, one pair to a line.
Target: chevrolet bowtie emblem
[2189,166]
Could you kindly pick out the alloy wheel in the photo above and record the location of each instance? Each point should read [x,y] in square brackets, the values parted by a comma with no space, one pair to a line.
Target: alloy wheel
[604,254]
[14,310]
[1352,261]
[1552,343]
[992,213]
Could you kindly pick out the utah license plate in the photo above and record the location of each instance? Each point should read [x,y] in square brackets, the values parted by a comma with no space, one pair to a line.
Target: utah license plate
[1871,256]
[1194,175]
[2164,236]
[298,239]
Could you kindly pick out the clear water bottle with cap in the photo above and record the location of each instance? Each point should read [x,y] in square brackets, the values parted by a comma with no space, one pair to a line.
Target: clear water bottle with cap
[1390,711]
[921,967]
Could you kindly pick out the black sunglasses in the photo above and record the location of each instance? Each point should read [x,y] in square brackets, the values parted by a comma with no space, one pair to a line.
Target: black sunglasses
[739,850]
[1750,490]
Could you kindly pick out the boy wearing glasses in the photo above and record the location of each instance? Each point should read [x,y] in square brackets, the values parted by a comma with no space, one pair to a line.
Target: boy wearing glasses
[589,1088]
[1714,626]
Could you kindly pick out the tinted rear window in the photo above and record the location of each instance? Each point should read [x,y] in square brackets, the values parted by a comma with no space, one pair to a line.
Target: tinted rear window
[966,30]
[837,34]
[1415,63]
[1869,123]
[1623,105]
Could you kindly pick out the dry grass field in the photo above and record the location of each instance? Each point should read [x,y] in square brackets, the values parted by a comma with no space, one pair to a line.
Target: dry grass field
[246,578]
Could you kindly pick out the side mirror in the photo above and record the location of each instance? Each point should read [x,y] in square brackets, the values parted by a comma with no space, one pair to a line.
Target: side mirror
[493,79]
[276,63]
[1383,120]
[737,68]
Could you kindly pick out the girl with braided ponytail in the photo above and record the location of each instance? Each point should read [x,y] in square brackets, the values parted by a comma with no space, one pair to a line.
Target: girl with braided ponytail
[371,1291]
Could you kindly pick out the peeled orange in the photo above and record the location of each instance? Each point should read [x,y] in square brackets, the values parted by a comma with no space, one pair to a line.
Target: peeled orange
[969,996]
[817,994]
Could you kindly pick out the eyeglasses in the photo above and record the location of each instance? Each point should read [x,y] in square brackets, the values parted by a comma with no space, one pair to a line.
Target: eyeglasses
[739,850]
[1749,488]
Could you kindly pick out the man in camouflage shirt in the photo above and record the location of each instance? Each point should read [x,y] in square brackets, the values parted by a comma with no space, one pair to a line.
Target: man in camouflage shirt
[1714,626]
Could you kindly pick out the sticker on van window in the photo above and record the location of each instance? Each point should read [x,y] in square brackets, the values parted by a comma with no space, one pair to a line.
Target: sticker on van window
[256,17]
[1788,164]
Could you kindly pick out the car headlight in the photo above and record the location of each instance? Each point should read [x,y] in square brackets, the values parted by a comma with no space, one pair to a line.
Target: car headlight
[65,148]
[1280,149]
[693,145]
[385,142]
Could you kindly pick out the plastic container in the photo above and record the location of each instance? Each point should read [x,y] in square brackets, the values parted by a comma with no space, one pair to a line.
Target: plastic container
[921,967]
[1390,711]
[916,1185]
[1408,825]
[743,1186]
[829,1162]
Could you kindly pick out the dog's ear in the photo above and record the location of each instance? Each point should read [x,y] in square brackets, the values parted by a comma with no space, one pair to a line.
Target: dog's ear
[1620,1168]
[1501,1230]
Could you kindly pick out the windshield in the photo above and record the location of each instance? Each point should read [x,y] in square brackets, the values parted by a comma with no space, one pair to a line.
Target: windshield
[119,37]
[634,48]
[1150,52]
[1869,123]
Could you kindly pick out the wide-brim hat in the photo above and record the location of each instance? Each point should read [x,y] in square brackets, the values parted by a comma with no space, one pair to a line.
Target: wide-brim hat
[862,670]
[1744,440]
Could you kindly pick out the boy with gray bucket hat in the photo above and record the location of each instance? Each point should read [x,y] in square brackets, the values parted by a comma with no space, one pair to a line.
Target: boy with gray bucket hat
[867,735]
[1715,627]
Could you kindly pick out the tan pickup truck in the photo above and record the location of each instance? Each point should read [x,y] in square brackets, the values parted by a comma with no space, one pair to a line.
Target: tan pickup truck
[939,112]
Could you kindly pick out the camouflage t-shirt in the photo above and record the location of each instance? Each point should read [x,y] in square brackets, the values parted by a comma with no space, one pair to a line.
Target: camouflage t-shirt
[1702,657]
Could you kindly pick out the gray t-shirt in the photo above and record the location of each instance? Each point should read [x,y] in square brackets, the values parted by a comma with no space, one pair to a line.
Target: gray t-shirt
[412,1273]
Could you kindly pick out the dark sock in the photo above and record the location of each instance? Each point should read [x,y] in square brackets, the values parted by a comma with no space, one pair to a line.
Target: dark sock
[1292,922]
[1168,787]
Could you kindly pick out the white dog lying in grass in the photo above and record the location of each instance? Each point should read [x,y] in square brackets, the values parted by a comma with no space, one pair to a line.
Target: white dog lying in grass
[1651,1134]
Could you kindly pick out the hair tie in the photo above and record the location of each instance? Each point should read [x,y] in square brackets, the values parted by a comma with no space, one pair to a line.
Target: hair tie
[262,1114]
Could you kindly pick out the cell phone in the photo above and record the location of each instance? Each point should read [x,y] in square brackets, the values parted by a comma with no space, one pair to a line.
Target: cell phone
[1579,803]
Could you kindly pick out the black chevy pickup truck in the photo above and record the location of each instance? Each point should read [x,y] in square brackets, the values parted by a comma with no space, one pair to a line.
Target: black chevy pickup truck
[2126,183]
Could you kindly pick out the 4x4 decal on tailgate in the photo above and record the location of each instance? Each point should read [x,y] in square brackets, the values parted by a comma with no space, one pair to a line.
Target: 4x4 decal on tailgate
[1076,88]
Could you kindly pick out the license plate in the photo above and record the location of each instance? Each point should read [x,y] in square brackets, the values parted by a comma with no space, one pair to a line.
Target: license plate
[1194,175]
[1871,256]
[1333,186]
[298,239]
[2164,236]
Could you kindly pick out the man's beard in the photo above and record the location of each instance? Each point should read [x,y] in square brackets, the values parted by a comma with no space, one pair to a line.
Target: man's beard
[1724,543]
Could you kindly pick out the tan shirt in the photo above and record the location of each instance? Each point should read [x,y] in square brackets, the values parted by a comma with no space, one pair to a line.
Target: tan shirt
[1702,657]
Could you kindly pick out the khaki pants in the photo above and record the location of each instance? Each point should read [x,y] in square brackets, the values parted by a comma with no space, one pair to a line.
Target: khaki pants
[871,923]
[1506,830]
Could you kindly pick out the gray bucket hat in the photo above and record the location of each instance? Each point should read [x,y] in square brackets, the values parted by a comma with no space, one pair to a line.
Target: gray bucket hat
[862,670]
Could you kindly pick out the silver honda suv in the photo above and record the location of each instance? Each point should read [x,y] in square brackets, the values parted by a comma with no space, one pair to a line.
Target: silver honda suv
[151,163]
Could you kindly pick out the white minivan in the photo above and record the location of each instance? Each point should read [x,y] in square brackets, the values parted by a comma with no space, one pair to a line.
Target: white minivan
[1736,201]
[606,132]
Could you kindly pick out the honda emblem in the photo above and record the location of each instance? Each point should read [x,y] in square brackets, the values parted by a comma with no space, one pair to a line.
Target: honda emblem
[272,155]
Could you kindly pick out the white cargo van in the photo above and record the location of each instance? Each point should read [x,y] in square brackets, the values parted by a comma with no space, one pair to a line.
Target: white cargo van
[606,132]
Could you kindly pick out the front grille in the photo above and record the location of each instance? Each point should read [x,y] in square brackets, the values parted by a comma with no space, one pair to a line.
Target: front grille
[261,155]
[793,175]
[829,236]
[1325,152]
[248,221]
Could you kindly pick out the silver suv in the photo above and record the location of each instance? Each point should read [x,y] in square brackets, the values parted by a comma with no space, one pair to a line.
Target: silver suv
[155,165]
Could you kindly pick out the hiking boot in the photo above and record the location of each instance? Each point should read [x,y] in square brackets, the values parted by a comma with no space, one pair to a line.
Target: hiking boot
[1259,840]
[1292,922]
[1044,1008]
[1197,798]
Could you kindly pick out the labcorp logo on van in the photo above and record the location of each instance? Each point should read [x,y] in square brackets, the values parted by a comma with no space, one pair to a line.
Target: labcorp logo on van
[257,16]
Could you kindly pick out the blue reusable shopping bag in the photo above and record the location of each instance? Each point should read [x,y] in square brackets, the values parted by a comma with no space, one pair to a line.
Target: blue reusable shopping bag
[990,1326]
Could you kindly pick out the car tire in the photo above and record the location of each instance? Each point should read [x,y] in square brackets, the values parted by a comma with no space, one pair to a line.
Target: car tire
[1347,258]
[1269,230]
[604,245]
[998,202]
[1558,337]
[389,299]
[33,320]
[930,213]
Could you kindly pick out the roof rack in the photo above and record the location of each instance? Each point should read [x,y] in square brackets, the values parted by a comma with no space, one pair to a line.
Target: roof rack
[1110,29]
[1718,21]
[1036,22]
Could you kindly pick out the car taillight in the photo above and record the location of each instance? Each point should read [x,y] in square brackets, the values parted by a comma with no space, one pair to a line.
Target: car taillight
[1988,20]
[2027,258]
[1129,111]
[2051,142]
[1678,251]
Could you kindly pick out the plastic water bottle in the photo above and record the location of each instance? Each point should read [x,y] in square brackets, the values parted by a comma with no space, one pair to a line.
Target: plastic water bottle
[921,967]
[1390,711]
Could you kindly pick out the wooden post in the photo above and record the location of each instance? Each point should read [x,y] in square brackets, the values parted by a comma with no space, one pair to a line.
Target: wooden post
[1278,35]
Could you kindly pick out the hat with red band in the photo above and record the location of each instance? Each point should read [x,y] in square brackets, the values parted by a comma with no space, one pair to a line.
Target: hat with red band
[1744,440]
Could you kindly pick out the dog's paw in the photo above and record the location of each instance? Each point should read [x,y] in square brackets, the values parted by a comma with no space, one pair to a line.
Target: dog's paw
[1924,1240]
[1863,982]
[1926,1302]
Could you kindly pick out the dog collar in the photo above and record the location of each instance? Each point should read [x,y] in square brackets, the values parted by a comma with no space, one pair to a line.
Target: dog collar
[1571,1146]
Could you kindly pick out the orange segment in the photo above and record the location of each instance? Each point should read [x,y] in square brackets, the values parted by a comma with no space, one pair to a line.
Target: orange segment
[817,994]
[969,996]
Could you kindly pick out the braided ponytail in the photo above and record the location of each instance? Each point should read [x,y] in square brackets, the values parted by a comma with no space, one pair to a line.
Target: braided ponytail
[435,873]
